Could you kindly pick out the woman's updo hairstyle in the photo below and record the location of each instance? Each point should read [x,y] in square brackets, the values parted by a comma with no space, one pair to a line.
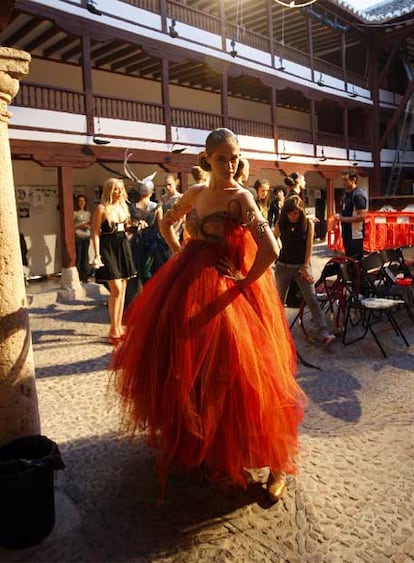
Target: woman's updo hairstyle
[289,181]
[214,139]
[294,176]
[202,161]
[145,188]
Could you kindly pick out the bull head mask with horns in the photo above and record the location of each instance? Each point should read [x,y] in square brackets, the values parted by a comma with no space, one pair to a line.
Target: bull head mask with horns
[144,186]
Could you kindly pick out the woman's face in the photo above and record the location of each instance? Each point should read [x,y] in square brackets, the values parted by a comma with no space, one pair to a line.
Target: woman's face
[262,192]
[224,160]
[81,202]
[116,192]
[301,182]
[294,216]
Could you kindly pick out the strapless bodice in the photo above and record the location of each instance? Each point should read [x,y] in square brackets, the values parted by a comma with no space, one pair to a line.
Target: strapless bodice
[213,227]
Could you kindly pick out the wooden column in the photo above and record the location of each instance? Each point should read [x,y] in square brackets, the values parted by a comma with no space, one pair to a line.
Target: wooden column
[87,85]
[345,118]
[223,25]
[273,112]
[165,94]
[310,42]
[225,99]
[65,178]
[71,286]
[269,5]
[343,57]
[314,127]
[375,187]
[19,414]
[330,195]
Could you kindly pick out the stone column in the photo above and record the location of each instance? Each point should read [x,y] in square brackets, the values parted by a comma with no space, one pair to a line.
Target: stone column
[19,415]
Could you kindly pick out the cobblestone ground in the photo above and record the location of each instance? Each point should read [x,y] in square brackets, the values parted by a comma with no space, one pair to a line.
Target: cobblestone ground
[351,502]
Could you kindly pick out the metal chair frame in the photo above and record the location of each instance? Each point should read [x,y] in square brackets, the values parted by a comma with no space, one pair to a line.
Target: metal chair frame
[370,311]
[330,293]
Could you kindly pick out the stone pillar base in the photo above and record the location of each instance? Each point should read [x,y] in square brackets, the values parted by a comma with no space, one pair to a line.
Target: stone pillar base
[71,286]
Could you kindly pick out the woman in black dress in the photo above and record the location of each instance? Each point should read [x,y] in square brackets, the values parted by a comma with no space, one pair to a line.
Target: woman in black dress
[113,258]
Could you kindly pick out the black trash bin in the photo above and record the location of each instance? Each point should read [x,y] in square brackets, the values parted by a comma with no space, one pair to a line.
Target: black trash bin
[27,501]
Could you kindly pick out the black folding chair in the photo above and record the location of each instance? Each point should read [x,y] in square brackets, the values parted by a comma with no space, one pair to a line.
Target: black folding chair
[407,253]
[329,292]
[397,281]
[365,312]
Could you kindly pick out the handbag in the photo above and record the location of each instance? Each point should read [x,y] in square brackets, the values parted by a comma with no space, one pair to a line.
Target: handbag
[294,295]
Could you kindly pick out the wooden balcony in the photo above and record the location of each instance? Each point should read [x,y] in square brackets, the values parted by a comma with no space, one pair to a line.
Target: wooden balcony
[50,98]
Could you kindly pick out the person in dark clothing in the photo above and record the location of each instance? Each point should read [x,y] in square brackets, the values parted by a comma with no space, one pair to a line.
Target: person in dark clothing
[276,206]
[295,184]
[352,216]
[296,231]
[23,249]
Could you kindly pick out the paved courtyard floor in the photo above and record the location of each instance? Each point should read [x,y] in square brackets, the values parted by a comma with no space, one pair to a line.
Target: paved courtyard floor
[351,502]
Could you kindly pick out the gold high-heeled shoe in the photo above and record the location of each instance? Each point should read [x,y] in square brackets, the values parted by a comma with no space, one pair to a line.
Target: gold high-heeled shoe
[276,485]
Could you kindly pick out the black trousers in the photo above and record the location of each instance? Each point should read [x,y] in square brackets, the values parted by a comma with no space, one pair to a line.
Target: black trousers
[354,248]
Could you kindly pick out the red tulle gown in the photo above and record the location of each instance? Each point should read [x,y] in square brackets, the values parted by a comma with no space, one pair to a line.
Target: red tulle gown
[210,369]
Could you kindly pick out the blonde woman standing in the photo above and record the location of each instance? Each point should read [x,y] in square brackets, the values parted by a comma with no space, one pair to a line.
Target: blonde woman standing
[113,258]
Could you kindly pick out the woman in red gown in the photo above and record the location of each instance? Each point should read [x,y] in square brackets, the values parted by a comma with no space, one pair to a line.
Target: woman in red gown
[208,363]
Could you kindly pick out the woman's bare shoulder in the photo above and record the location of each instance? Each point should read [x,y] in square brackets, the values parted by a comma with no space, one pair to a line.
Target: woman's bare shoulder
[245,197]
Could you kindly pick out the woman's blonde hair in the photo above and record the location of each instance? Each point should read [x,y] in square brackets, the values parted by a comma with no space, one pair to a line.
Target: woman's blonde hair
[121,213]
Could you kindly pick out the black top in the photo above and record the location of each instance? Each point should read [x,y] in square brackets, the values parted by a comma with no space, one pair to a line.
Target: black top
[274,213]
[293,244]
[352,201]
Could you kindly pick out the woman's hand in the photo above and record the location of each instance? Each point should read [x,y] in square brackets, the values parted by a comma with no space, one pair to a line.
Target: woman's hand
[226,268]
[142,225]
[97,263]
[306,273]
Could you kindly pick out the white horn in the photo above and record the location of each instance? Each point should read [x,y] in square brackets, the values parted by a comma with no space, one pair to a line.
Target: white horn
[127,169]
[149,178]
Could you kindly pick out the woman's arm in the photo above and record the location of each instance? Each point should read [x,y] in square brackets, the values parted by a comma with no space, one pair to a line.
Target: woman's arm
[98,218]
[177,211]
[267,248]
[159,214]
[306,269]
[309,242]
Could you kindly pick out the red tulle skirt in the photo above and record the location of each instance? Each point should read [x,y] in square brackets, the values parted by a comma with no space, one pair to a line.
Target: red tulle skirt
[209,370]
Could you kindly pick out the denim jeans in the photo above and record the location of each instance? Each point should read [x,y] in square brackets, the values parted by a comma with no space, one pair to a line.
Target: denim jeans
[82,257]
[284,275]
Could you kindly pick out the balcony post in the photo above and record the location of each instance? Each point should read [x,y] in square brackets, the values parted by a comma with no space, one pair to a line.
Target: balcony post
[375,188]
[225,99]
[165,94]
[273,113]
[71,286]
[87,85]
[19,414]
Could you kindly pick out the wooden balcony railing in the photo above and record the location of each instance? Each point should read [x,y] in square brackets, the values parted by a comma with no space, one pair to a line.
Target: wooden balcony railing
[293,134]
[335,140]
[181,117]
[252,128]
[70,101]
[128,110]
[149,5]
[195,18]
[51,98]
[212,23]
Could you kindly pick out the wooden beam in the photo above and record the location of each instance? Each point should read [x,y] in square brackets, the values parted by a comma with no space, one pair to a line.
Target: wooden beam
[401,107]
[53,31]
[61,44]
[22,31]
[87,85]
